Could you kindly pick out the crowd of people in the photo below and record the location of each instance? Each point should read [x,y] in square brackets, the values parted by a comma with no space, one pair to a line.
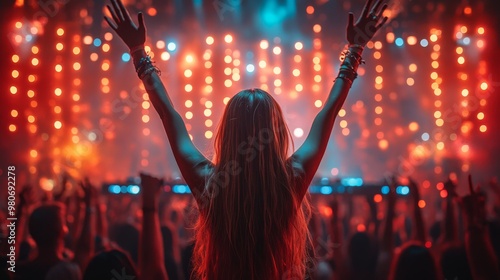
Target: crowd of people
[250,215]
[83,232]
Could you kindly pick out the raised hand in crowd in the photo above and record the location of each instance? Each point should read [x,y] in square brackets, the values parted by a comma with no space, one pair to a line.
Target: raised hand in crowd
[482,259]
[151,257]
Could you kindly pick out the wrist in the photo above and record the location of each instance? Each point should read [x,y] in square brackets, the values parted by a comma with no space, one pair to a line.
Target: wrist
[357,48]
[136,49]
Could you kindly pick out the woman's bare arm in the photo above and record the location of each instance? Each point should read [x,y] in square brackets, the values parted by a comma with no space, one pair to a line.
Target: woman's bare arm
[309,155]
[191,161]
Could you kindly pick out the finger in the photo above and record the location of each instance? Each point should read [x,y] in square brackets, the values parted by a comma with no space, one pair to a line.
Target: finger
[141,21]
[110,23]
[350,20]
[382,23]
[113,14]
[471,187]
[117,10]
[375,7]
[124,11]
[366,8]
[379,15]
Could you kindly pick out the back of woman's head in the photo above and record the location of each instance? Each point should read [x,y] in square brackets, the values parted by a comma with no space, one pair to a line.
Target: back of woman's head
[454,263]
[47,225]
[252,223]
[112,264]
[414,262]
[362,254]
[126,236]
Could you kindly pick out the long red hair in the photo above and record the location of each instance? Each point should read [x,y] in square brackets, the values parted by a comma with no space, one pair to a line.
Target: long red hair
[253,224]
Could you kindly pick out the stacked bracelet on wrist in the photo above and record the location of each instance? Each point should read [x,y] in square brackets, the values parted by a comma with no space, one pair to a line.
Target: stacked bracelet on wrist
[145,67]
[350,62]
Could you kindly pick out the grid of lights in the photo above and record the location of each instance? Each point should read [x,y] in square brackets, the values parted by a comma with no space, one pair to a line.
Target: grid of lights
[266,65]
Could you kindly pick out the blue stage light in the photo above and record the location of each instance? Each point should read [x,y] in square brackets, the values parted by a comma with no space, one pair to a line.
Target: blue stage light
[180,189]
[97,42]
[114,189]
[126,57]
[385,189]
[171,46]
[424,43]
[133,189]
[399,42]
[326,190]
[352,182]
[250,68]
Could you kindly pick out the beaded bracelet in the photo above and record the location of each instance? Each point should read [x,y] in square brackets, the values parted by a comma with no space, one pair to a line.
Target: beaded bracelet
[143,62]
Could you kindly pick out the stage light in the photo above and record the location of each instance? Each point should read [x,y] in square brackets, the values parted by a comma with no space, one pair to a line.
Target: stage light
[182,189]
[480,30]
[210,40]
[317,28]
[298,46]
[189,58]
[424,43]
[35,61]
[385,189]
[97,42]
[310,10]
[171,46]
[264,44]
[421,203]
[276,50]
[443,193]
[352,182]
[57,124]
[399,42]
[250,68]
[228,38]
[298,132]
[410,81]
[411,40]
[390,37]
[483,128]
[484,86]
[466,41]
